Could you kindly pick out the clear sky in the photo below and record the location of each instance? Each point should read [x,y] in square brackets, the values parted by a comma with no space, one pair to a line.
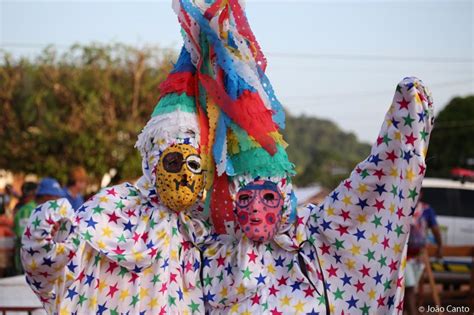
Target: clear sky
[332,59]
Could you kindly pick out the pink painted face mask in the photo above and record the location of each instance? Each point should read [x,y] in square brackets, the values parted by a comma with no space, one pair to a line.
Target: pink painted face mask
[258,209]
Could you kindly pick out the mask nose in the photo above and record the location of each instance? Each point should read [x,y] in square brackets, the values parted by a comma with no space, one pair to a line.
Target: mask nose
[184,180]
[255,204]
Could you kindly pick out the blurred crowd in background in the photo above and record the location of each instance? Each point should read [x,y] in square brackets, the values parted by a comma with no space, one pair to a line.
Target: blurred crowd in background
[17,206]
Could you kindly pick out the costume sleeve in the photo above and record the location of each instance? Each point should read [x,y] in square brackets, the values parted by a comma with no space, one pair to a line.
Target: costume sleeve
[363,225]
[45,256]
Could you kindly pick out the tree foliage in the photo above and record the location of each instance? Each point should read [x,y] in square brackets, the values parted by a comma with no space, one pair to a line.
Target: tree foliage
[452,139]
[87,105]
[82,107]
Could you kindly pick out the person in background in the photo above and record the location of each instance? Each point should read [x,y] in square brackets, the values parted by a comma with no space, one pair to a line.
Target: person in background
[28,192]
[25,206]
[6,200]
[22,212]
[7,237]
[33,195]
[76,186]
[424,219]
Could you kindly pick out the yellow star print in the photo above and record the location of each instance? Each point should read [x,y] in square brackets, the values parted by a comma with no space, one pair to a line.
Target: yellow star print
[285,300]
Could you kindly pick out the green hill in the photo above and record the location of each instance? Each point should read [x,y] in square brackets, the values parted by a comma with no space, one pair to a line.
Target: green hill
[321,151]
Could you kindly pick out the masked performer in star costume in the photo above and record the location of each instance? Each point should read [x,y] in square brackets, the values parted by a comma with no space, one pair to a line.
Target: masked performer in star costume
[271,258]
[131,249]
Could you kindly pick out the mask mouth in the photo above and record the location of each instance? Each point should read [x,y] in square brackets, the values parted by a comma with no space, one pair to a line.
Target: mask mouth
[255,221]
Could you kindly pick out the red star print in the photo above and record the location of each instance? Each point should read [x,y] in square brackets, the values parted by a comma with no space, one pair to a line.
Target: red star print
[133,278]
[111,192]
[136,237]
[345,215]
[342,230]
[403,103]
[188,267]
[391,156]
[173,277]
[410,139]
[324,249]
[112,290]
[309,292]
[130,213]
[393,266]
[112,266]
[379,205]
[71,255]
[385,243]
[276,312]
[77,219]
[252,256]
[282,281]
[255,299]
[400,213]
[155,199]
[186,245]
[422,169]
[381,301]
[113,217]
[28,232]
[163,288]
[299,220]
[220,261]
[332,271]
[145,236]
[118,250]
[400,282]
[347,184]
[365,271]
[379,140]
[422,97]
[44,274]
[379,173]
[153,252]
[273,290]
[400,306]
[360,286]
[81,276]
[50,221]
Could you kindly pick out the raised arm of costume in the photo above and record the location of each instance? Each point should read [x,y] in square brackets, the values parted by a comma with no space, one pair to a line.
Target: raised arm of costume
[48,245]
[362,226]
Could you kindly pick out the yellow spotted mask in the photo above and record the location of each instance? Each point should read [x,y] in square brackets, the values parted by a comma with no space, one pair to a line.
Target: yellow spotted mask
[179,177]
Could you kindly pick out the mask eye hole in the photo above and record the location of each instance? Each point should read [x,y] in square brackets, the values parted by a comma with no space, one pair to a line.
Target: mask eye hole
[244,199]
[172,162]
[269,197]
[193,163]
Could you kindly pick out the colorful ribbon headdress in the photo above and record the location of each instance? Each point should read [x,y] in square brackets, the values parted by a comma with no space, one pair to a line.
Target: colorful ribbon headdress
[174,119]
[239,115]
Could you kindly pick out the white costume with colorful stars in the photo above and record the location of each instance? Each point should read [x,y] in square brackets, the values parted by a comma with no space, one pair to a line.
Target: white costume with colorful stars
[359,234]
[124,251]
